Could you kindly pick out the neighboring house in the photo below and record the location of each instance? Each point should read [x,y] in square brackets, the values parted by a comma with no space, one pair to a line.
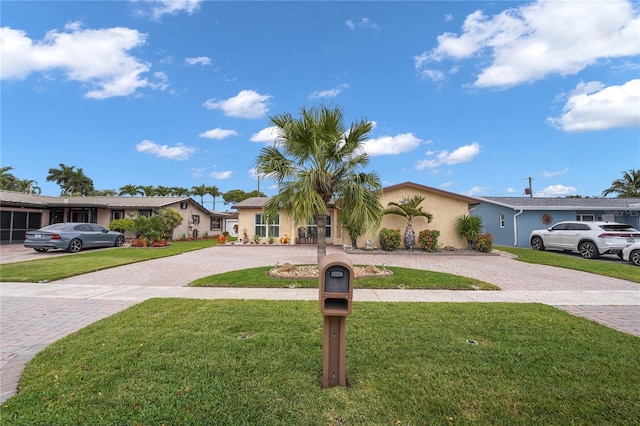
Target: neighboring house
[510,220]
[444,206]
[21,212]
[231,224]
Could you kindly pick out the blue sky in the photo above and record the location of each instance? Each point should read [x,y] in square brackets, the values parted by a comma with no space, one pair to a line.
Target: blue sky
[469,97]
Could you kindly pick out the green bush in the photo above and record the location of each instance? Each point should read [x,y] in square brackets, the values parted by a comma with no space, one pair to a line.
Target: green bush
[121,225]
[484,243]
[428,240]
[389,239]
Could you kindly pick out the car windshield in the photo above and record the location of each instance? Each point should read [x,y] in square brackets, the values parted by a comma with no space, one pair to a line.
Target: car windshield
[619,227]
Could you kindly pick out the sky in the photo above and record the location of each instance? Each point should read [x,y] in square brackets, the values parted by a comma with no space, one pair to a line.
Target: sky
[470,97]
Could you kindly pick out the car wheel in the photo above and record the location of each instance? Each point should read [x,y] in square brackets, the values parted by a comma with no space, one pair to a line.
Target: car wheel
[41,250]
[119,241]
[634,257]
[588,250]
[74,246]
[537,244]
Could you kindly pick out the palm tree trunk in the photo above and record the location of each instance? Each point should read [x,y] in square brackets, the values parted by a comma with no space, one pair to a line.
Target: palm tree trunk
[321,244]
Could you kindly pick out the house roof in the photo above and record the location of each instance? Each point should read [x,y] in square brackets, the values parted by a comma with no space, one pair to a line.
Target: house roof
[251,203]
[10,198]
[549,203]
[433,190]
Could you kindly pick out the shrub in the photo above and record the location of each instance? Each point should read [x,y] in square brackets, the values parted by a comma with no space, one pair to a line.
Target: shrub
[222,239]
[121,225]
[469,227]
[389,239]
[484,243]
[428,240]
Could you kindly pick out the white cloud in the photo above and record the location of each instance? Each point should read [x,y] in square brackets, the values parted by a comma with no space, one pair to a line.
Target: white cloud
[592,106]
[391,145]
[98,58]
[221,175]
[266,135]
[200,60]
[476,191]
[556,191]
[547,174]
[178,152]
[459,155]
[330,93]
[159,8]
[530,42]
[218,133]
[246,104]
[361,23]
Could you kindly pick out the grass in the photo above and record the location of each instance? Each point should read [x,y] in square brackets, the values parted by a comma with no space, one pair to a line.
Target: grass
[401,278]
[260,363]
[56,268]
[622,270]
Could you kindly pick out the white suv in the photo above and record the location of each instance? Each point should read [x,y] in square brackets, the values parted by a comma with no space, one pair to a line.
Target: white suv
[591,239]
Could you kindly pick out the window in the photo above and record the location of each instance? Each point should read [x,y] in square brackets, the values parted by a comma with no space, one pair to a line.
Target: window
[184,205]
[117,214]
[501,220]
[265,230]
[312,229]
[585,217]
[145,213]
[216,223]
[195,218]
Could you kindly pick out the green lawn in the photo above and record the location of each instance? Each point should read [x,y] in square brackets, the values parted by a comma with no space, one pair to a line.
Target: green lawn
[60,267]
[617,269]
[401,278]
[260,363]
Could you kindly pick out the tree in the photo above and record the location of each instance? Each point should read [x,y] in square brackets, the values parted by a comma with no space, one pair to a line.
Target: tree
[130,190]
[627,187]
[316,162]
[236,195]
[148,190]
[356,223]
[214,192]
[469,227]
[72,181]
[200,191]
[8,181]
[172,219]
[28,186]
[409,208]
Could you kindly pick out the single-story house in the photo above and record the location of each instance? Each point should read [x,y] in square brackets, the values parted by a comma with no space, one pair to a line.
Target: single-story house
[21,212]
[510,220]
[444,206]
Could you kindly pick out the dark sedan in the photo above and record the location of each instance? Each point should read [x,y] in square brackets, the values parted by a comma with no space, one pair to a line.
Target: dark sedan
[72,237]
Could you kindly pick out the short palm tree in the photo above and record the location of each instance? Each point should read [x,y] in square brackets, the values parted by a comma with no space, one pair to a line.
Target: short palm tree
[409,208]
[469,227]
[627,187]
[316,161]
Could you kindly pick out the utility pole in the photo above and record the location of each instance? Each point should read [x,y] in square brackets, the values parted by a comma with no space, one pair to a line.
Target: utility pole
[528,191]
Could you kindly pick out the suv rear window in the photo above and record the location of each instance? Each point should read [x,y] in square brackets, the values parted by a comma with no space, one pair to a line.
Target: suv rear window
[618,227]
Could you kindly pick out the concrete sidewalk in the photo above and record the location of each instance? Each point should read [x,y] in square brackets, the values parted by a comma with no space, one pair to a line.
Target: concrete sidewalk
[34,315]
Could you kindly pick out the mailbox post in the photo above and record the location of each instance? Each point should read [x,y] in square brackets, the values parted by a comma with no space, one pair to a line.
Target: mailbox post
[336,294]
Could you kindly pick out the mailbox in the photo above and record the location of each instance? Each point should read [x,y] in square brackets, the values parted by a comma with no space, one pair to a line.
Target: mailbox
[336,284]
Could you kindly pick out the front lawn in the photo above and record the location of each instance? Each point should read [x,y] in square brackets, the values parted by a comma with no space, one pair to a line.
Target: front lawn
[57,268]
[401,278]
[616,269]
[260,363]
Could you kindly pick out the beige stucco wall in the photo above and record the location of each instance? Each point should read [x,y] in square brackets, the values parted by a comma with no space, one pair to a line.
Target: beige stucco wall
[445,209]
[246,220]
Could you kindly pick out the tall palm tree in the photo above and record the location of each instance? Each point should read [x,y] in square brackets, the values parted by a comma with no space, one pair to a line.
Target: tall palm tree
[315,162]
[200,191]
[131,190]
[72,181]
[214,192]
[148,190]
[409,208]
[627,187]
